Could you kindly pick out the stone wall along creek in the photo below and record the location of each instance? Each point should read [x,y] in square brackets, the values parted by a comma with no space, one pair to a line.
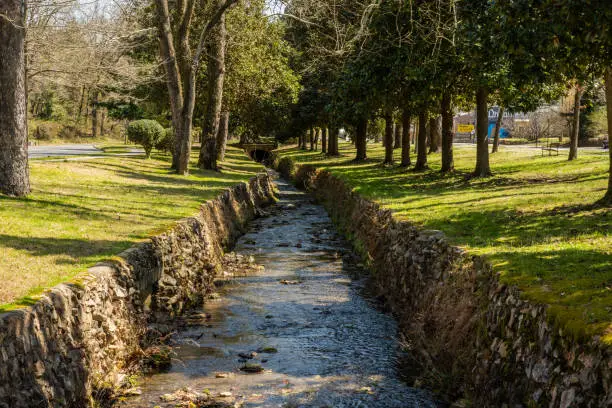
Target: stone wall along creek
[471,338]
[77,336]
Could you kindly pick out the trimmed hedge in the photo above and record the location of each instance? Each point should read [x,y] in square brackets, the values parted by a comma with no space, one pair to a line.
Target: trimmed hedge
[146,133]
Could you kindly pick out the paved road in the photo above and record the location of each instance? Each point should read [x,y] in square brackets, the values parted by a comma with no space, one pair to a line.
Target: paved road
[62,150]
[37,152]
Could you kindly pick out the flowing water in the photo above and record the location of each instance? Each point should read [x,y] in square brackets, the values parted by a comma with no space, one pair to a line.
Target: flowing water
[321,341]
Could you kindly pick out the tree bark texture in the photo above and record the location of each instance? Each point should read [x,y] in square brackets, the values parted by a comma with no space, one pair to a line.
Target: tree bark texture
[398,135]
[421,163]
[332,149]
[406,138]
[388,137]
[222,136]
[174,81]
[498,123]
[94,114]
[311,137]
[324,140]
[483,168]
[434,134]
[573,151]
[14,173]
[446,112]
[361,139]
[216,79]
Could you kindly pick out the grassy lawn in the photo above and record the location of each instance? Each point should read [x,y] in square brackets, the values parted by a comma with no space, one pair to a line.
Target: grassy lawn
[533,219]
[81,212]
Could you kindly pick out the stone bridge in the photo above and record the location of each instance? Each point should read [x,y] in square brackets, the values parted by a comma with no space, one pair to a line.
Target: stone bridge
[259,151]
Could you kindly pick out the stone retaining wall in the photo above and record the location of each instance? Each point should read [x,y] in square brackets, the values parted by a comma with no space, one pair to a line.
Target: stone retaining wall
[56,352]
[471,336]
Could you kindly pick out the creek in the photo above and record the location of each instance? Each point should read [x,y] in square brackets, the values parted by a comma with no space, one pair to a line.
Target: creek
[306,319]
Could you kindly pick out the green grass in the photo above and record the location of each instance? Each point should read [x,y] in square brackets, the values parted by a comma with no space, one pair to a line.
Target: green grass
[110,148]
[81,212]
[534,219]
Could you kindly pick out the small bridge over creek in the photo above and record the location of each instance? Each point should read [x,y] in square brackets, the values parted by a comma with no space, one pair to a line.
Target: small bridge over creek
[258,151]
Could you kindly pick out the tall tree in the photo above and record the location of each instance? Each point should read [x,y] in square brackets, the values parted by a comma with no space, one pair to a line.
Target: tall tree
[223,134]
[608,197]
[216,77]
[421,163]
[434,134]
[498,124]
[406,138]
[361,139]
[446,111]
[483,168]
[388,138]
[14,174]
[575,130]
[324,141]
[398,135]
[181,66]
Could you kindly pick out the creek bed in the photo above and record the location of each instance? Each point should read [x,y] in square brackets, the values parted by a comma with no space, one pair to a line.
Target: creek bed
[305,319]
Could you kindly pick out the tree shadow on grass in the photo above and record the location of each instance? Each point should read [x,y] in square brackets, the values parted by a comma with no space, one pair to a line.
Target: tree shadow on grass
[212,178]
[71,247]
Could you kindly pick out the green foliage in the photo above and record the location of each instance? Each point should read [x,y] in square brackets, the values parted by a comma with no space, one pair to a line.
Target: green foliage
[122,110]
[596,122]
[260,86]
[285,166]
[166,142]
[146,133]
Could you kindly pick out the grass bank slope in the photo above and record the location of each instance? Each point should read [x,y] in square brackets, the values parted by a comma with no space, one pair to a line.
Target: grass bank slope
[533,219]
[81,212]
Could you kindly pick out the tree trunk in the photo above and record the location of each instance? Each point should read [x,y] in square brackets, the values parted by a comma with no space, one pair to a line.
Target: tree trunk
[102,117]
[405,138]
[446,111]
[80,112]
[434,135]
[498,123]
[94,115]
[415,136]
[573,151]
[421,163]
[173,81]
[482,129]
[333,142]
[324,141]
[14,174]
[361,139]
[316,139]
[311,137]
[608,197]
[388,138]
[216,77]
[222,136]
[86,107]
[398,135]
